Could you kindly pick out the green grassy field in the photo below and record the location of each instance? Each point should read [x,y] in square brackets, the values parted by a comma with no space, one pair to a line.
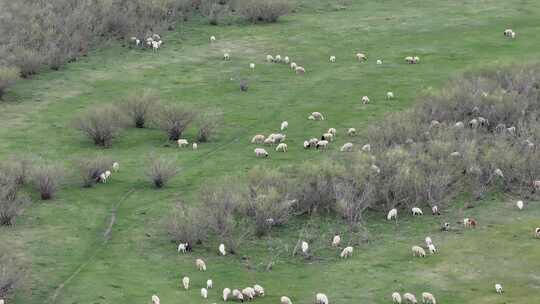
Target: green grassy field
[63,240]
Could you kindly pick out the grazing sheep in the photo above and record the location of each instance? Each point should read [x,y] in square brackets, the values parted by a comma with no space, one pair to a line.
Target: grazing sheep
[156,45]
[347,252]
[313,142]
[300,70]
[249,293]
[513,35]
[258,139]
[182,247]
[209,284]
[519,204]
[507,32]
[195,146]
[336,240]
[445,227]
[435,210]
[537,232]
[348,147]
[417,211]
[259,290]
[379,62]
[498,172]
[483,122]
[389,95]
[226,56]
[536,184]
[459,125]
[201,265]
[473,123]
[396,298]
[185,282]
[238,295]
[278,137]
[277,59]
[418,251]
[182,143]
[332,59]
[392,214]
[351,132]
[327,136]
[116,167]
[286,60]
[322,144]
[252,66]
[455,154]
[434,123]
[409,59]
[259,152]
[428,241]
[428,298]
[361,57]
[366,148]
[332,131]
[155,300]
[375,169]
[269,58]
[306,144]
[432,249]
[305,247]
[321,298]
[282,147]
[410,298]
[365,99]
[204,293]
[416,59]
[285,300]
[212,38]
[293,66]
[499,289]
[226,293]
[221,249]
[107,174]
[269,141]
[469,223]
[103,178]
[284,125]
[317,116]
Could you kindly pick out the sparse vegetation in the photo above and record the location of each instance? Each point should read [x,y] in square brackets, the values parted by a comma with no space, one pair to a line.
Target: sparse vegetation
[46,180]
[208,124]
[161,170]
[268,11]
[174,120]
[140,107]
[8,76]
[101,125]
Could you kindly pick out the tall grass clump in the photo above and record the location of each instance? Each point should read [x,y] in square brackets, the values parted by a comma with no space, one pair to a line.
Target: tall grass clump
[101,125]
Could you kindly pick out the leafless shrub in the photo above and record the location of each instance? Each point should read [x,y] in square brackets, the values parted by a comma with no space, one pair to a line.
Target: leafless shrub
[161,170]
[139,107]
[268,11]
[314,189]
[46,179]
[91,168]
[11,203]
[208,124]
[11,274]
[186,225]
[8,76]
[101,125]
[174,120]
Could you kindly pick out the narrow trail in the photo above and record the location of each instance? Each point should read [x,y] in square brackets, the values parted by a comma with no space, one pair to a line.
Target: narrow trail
[106,236]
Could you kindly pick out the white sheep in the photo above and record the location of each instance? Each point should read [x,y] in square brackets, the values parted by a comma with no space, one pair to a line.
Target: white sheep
[396,298]
[418,251]
[327,136]
[361,57]
[332,59]
[432,249]
[238,295]
[204,293]
[294,66]
[212,38]
[259,290]
[226,293]
[116,167]
[277,58]
[347,252]
[269,141]
[416,59]
[209,284]
[156,45]
[519,205]
[332,131]
[366,148]
[389,95]
[435,209]
[282,147]
[269,58]
[410,298]
[392,214]
[537,232]
[286,60]
[321,298]
[348,147]
[317,116]
[252,66]
[379,62]
[428,298]
[455,154]
[428,241]
[304,247]
[469,223]
[200,264]
[498,172]
[182,143]
[226,56]
[417,211]
[409,59]
[336,240]
[285,300]
[284,125]
[221,249]
[536,184]
[306,144]
[322,144]
[513,35]
[365,99]
[376,169]
[249,293]
[300,70]
[459,125]
[473,123]
[507,32]
[278,137]
[107,174]
[258,139]
[195,146]
[351,132]
[313,142]
[155,300]
[499,289]
[185,282]
[103,178]
[182,247]
[259,152]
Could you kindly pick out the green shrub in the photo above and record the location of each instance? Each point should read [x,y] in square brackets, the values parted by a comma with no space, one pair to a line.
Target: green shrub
[267,11]
[8,76]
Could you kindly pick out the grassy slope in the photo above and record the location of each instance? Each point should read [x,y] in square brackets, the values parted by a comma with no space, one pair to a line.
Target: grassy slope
[449,36]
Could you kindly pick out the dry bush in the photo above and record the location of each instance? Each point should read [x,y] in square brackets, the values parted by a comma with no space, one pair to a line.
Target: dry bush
[174,120]
[8,76]
[18,167]
[47,179]
[11,202]
[11,274]
[28,61]
[161,170]
[267,11]
[101,125]
[91,168]
[186,225]
[208,124]
[139,107]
